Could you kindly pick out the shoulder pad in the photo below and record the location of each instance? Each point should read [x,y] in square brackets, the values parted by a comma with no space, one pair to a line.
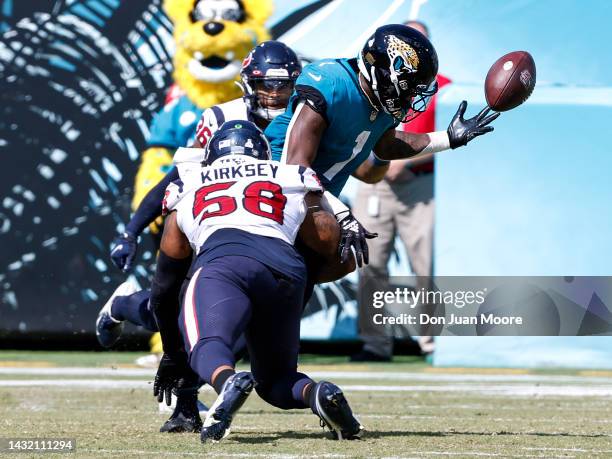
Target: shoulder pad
[172,196]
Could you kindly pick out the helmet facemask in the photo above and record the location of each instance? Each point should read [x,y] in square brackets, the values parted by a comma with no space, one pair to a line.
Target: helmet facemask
[267,97]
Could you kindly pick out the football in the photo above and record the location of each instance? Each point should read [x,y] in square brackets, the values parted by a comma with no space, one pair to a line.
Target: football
[510,81]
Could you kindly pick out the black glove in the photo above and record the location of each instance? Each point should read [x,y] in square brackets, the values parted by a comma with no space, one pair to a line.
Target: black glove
[461,131]
[123,251]
[354,235]
[173,374]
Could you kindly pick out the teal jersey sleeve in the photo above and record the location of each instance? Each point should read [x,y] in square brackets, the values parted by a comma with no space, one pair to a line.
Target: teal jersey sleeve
[174,125]
[331,88]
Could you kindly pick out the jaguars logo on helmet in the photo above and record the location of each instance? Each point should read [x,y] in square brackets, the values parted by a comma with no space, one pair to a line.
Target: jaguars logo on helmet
[402,56]
[400,64]
[237,138]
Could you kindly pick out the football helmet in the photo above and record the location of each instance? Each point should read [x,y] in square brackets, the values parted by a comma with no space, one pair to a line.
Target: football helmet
[268,77]
[237,138]
[400,64]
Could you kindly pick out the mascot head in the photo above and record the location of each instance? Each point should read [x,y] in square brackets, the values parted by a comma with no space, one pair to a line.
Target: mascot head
[212,38]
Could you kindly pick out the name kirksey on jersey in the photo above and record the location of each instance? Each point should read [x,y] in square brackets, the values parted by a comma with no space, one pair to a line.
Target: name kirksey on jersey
[239,171]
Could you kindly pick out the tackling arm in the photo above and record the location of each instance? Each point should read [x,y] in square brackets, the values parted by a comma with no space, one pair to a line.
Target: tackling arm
[320,232]
[172,266]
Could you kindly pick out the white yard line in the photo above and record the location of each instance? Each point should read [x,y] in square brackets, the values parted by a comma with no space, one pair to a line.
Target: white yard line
[366,375]
[481,389]
[570,450]
[204,454]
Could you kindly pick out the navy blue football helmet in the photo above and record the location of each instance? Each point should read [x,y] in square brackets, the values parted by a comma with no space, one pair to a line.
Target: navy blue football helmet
[268,77]
[400,64]
[237,138]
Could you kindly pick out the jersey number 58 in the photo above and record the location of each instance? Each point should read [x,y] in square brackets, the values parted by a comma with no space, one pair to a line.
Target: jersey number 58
[264,199]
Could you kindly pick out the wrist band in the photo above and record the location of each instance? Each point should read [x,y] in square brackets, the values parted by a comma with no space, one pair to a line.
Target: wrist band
[438,141]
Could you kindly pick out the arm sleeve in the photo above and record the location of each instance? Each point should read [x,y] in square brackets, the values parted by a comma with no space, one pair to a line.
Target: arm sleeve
[151,206]
[165,289]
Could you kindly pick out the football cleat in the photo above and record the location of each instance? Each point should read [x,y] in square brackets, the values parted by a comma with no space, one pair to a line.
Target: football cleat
[109,329]
[233,395]
[334,412]
[186,416]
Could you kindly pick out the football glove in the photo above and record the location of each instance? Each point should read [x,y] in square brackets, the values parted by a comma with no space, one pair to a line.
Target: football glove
[461,131]
[123,251]
[353,236]
[173,374]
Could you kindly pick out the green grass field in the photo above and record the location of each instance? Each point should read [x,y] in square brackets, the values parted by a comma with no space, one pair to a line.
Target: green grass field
[408,408]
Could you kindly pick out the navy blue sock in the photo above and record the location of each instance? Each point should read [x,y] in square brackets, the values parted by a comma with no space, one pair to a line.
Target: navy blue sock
[220,379]
[135,309]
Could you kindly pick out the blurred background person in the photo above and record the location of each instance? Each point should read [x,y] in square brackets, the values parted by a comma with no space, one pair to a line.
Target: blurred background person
[400,204]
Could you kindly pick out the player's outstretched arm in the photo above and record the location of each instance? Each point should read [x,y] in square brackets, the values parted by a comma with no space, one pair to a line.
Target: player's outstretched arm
[172,266]
[399,145]
[124,247]
[320,232]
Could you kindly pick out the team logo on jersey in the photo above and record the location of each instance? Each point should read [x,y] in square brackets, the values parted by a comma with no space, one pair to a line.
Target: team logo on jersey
[402,56]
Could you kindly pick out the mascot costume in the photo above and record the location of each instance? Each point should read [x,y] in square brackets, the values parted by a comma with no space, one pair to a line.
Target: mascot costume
[212,37]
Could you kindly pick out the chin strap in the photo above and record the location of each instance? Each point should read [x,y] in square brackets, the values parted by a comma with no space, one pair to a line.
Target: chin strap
[269,113]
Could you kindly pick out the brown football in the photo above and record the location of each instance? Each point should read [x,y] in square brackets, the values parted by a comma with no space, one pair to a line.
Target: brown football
[510,81]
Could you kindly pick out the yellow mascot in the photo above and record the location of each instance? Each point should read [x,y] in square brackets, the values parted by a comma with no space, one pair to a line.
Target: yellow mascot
[212,37]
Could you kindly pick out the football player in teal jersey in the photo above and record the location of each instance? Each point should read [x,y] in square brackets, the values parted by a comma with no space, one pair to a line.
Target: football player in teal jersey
[343,109]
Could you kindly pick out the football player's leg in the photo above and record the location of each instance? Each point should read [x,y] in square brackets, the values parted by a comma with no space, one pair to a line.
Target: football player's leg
[214,313]
[216,310]
[273,338]
[126,303]
[135,309]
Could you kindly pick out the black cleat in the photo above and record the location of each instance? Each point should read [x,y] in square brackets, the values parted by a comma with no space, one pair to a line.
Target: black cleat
[186,416]
[334,412]
[233,395]
[109,329]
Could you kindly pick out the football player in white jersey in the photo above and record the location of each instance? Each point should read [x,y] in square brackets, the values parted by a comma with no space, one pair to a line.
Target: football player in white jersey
[240,215]
[268,76]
